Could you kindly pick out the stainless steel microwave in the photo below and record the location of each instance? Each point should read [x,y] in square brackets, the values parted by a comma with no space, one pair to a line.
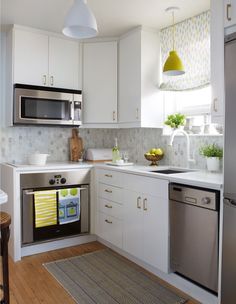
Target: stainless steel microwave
[46,105]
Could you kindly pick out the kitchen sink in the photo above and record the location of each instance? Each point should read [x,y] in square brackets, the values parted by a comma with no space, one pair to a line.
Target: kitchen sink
[170,171]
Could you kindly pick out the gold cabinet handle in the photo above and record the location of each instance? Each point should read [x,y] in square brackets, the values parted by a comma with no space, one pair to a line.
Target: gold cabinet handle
[228,9]
[51,80]
[215,109]
[108,175]
[137,113]
[109,222]
[114,115]
[108,206]
[44,79]
[139,202]
[108,191]
[145,204]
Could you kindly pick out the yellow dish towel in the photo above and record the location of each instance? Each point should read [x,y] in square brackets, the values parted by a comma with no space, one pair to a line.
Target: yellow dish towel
[45,203]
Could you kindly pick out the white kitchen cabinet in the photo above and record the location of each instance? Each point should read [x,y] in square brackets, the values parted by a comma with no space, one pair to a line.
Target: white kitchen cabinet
[63,63]
[30,57]
[146,228]
[40,59]
[100,83]
[140,104]
[217,61]
[229,12]
[110,207]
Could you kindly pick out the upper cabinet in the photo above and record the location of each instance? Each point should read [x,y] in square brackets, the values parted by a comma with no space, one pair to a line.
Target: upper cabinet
[229,12]
[139,103]
[100,83]
[217,61]
[40,59]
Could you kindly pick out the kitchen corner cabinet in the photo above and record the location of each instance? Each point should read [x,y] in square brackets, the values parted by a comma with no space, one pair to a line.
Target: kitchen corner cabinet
[146,212]
[217,61]
[40,59]
[229,12]
[140,104]
[100,82]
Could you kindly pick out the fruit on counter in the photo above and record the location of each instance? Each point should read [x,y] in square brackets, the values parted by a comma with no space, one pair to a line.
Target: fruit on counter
[155,151]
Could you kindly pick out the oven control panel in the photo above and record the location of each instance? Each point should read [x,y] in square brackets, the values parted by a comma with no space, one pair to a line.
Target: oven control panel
[57,180]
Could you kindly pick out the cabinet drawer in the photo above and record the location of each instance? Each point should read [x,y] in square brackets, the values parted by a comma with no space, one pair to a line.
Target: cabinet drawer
[111,208]
[110,192]
[110,177]
[110,229]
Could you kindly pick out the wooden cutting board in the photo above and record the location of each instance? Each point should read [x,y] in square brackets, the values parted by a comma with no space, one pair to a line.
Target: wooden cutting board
[76,146]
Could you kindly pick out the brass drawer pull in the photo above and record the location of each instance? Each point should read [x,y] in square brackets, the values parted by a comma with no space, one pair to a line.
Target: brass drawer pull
[139,202]
[145,204]
[228,8]
[44,79]
[108,222]
[108,206]
[215,105]
[108,191]
[108,175]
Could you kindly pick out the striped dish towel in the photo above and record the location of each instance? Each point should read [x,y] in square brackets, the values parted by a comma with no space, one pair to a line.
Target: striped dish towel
[45,203]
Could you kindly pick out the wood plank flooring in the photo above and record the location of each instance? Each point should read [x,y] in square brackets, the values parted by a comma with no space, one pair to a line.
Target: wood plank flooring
[30,283]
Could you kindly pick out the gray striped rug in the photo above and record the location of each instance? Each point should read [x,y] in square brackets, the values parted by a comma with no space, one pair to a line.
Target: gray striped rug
[104,277]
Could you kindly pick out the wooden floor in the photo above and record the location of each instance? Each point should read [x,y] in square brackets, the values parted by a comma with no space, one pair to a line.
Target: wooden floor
[31,283]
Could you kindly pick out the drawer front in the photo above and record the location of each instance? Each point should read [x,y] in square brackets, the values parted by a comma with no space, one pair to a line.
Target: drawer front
[110,229]
[110,177]
[110,193]
[111,208]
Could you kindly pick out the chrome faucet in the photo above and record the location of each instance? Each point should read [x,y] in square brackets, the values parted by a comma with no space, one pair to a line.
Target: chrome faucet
[179,131]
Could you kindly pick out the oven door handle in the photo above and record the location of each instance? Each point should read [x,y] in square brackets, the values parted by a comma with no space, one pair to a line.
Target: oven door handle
[33,192]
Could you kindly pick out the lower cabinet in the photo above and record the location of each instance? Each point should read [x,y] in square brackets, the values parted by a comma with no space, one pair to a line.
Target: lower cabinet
[110,229]
[145,233]
[133,215]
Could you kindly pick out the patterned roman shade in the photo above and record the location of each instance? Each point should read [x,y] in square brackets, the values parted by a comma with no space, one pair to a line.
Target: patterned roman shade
[192,42]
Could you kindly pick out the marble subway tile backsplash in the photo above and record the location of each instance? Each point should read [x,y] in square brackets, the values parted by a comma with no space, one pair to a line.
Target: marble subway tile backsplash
[18,142]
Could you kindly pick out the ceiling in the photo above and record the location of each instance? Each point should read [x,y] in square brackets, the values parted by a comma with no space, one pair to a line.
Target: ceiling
[114,17]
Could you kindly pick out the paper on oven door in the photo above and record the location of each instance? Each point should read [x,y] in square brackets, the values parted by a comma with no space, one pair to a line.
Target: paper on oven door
[69,205]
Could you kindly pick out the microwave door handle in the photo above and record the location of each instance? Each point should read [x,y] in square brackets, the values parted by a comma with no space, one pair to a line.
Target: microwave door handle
[71,109]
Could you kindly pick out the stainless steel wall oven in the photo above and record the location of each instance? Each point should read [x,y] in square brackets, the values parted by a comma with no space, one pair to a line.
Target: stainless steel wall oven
[54,205]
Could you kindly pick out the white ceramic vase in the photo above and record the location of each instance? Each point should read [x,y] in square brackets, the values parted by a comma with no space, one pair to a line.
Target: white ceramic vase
[213,164]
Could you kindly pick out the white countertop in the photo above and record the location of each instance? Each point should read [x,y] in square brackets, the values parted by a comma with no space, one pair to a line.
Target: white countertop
[198,178]
[3,197]
[194,177]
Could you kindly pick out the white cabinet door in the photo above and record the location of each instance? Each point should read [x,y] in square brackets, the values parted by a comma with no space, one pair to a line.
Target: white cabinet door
[100,82]
[155,231]
[229,12]
[63,63]
[133,224]
[217,61]
[130,78]
[140,102]
[30,57]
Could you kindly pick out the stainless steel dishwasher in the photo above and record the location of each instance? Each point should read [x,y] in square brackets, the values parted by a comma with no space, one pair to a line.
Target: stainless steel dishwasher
[194,223]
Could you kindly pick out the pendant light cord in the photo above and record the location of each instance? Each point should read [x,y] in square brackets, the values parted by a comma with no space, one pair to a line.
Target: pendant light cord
[173,20]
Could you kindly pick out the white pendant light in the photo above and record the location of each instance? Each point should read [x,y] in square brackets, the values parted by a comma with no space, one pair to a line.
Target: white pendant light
[80,21]
[173,65]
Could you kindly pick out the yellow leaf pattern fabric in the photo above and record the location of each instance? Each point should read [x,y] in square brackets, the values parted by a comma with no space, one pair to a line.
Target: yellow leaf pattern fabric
[192,42]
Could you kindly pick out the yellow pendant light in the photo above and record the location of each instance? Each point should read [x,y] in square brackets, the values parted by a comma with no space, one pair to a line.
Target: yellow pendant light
[173,65]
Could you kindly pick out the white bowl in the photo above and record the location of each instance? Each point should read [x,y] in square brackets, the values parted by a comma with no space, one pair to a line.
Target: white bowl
[38,159]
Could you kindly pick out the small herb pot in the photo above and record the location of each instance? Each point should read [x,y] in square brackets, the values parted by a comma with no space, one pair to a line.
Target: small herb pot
[213,164]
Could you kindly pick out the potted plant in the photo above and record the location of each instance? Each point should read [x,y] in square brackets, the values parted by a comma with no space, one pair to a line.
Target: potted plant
[213,154]
[175,121]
